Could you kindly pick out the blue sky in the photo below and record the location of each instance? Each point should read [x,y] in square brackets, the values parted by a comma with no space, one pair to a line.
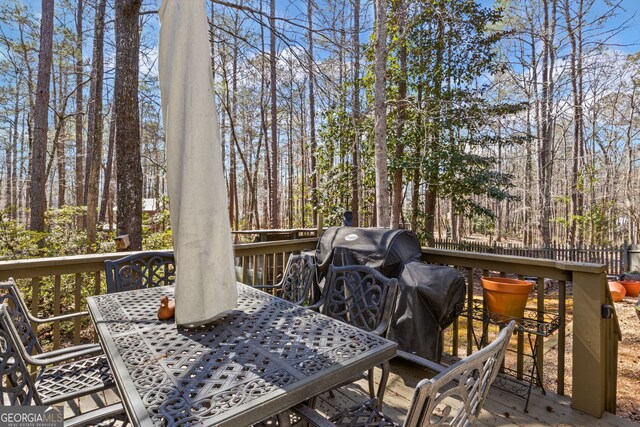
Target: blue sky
[627,40]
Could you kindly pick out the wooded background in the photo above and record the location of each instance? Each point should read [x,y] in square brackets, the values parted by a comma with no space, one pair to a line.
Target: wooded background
[518,122]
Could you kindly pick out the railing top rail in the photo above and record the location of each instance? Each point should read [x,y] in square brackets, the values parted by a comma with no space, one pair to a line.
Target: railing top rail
[260,248]
[274,230]
[64,260]
[516,264]
[278,243]
[33,267]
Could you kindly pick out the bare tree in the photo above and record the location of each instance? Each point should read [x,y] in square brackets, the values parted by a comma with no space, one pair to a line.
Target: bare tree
[79,169]
[129,168]
[356,107]
[312,117]
[545,156]
[575,38]
[274,195]
[396,205]
[106,189]
[94,135]
[41,121]
[382,181]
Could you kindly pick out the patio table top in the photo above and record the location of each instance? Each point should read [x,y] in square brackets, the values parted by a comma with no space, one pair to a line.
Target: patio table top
[258,360]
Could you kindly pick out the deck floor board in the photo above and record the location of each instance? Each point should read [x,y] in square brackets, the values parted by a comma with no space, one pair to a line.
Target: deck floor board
[500,408]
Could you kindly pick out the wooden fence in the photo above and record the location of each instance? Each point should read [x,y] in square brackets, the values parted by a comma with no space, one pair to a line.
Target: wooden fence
[616,258]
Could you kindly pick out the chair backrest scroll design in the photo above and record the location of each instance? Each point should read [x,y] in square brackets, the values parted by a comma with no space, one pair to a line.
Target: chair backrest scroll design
[296,285]
[361,296]
[467,381]
[18,311]
[139,271]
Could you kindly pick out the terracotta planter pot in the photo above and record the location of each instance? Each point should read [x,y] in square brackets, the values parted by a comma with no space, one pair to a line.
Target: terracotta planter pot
[506,298]
[617,291]
[632,287]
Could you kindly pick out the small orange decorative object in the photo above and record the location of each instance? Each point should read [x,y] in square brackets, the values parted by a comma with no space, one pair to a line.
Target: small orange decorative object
[167,309]
[632,287]
[617,291]
[506,297]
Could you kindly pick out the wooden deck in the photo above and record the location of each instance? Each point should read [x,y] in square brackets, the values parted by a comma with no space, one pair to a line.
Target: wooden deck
[500,409]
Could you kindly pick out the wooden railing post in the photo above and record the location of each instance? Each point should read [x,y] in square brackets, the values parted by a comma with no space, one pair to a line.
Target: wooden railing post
[633,258]
[589,343]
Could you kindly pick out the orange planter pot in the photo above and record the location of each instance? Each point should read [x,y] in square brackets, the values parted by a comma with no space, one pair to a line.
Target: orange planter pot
[506,297]
[632,287]
[617,291]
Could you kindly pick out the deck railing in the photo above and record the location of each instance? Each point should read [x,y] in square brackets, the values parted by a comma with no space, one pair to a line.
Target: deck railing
[616,258]
[595,328]
[51,284]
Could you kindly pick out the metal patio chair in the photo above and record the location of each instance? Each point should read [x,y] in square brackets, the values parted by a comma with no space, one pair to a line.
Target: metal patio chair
[363,297]
[64,373]
[466,382]
[17,387]
[297,281]
[139,271]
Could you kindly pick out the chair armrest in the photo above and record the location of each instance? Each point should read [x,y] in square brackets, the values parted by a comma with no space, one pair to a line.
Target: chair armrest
[90,418]
[381,330]
[57,356]
[315,307]
[57,318]
[425,363]
[42,361]
[71,352]
[311,416]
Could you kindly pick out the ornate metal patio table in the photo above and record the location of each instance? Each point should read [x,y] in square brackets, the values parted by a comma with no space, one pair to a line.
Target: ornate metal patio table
[260,359]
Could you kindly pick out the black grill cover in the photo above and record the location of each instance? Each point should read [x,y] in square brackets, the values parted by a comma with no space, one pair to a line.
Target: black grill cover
[428,295]
[380,248]
[429,300]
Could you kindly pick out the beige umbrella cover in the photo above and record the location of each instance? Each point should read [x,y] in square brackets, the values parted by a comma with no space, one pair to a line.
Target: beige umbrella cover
[205,284]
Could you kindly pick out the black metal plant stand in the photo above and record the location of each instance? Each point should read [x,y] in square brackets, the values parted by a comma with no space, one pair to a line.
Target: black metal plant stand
[534,323]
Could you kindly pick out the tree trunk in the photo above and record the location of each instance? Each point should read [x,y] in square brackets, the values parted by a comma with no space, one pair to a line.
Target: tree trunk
[432,178]
[528,177]
[290,213]
[546,152]
[107,172]
[40,120]
[355,111]
[79,169]
[94,136]
[129,168]
[396,205]
[11,154]
[18,194]
[233,181]
[60,106]
[577,202]
[274,195]
[312,119]
[415,200]
[266,182]
[382,181]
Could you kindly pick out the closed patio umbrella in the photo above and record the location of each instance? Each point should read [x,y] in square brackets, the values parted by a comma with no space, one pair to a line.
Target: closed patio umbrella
[205,284]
